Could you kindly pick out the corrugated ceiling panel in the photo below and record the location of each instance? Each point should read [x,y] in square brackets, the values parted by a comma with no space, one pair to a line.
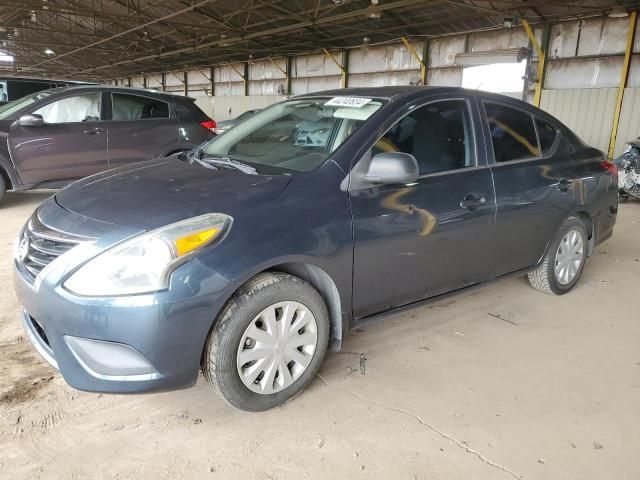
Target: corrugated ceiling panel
[629,119]
[588,112]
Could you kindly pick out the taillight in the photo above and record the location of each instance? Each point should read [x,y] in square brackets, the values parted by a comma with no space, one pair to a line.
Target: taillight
[611,167]
[210,124]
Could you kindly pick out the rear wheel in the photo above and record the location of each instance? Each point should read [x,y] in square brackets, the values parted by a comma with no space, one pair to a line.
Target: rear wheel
[268,342]
[564,261]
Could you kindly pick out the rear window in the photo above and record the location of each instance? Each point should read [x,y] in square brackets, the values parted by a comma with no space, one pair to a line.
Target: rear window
[512,133]
[134,107]
[186,108]
[548,135]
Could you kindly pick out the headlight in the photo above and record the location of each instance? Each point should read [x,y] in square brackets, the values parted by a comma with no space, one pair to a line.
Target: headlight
[144,263]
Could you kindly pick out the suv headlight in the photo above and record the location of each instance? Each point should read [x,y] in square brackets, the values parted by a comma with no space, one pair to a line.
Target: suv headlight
[144,263]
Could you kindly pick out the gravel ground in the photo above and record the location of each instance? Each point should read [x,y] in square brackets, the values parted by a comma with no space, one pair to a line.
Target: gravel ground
[503,382]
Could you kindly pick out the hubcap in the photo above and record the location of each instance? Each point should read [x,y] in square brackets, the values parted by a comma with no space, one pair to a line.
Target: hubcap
[277,347]
[569,257]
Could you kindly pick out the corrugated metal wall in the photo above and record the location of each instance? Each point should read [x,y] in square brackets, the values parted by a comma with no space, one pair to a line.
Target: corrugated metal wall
[583,72]
[223,108]
[629,119]
[588,112]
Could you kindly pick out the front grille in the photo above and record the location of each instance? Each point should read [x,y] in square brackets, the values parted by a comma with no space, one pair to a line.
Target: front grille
[39,246]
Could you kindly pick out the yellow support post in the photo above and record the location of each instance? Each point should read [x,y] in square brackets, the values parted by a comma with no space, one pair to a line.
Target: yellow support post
[414,53]
[542,58]
[343,70]
[624,77]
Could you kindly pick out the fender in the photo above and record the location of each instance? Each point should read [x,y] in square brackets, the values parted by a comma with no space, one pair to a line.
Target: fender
[8,170]
[590,225]
[337,297]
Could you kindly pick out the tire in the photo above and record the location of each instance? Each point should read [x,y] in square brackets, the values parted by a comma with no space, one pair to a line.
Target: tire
[3,187]
[232,337]
[544,277]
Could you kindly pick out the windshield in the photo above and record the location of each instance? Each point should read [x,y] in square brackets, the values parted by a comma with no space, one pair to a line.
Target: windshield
[293,136]
[10,108]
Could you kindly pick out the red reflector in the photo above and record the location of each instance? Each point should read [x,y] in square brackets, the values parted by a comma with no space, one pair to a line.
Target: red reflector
[210,124]
[611,167]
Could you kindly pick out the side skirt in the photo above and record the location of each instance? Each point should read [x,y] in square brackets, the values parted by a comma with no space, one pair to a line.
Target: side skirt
[378,317]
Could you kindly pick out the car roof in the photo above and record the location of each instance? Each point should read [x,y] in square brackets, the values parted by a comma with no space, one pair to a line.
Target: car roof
[409,92]
[132,90]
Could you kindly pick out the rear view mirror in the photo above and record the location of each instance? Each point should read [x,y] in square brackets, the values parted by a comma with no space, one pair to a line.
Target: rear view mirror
[392,168]
[31,120]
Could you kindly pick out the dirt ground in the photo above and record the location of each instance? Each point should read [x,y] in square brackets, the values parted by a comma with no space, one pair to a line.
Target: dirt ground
[503,382]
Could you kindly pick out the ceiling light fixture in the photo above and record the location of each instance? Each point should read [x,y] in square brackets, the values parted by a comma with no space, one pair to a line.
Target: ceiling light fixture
[618,12]
[48,51]
[373,11]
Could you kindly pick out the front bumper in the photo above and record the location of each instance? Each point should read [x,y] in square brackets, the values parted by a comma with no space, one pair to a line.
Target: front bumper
[130,344]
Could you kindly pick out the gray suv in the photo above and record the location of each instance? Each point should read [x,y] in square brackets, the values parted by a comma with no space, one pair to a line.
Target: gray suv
[52,137]
[249,256]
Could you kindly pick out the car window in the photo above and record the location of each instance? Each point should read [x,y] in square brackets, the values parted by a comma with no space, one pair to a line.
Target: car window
[10,108]
[547,134]
[295,135]
[512,133]
[438,135]
[134,107]
[78,108]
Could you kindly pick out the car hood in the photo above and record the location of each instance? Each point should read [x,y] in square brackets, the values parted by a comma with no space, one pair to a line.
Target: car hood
[152,194]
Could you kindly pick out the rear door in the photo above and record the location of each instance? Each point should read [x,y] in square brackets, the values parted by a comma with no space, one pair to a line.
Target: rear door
[534,183]
[140,128]
[71,144]
[418,240]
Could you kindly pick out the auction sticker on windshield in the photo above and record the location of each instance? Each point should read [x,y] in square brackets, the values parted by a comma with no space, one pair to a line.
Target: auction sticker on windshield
[354,102]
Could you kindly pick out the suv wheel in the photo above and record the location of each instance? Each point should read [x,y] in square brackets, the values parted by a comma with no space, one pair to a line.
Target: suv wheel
[3,187]
[564,261]
[267,343]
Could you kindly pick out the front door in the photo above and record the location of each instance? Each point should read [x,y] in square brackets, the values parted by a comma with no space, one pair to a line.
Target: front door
[71,144]
[435,235]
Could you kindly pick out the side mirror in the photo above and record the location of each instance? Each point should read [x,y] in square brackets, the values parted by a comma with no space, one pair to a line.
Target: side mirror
[392,168]
[31,120]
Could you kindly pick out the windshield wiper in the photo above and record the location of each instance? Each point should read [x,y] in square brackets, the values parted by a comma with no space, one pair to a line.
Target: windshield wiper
[226,162]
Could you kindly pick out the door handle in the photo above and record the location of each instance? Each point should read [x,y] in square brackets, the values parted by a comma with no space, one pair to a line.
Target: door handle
[564,184]
[471,201]
[94,131]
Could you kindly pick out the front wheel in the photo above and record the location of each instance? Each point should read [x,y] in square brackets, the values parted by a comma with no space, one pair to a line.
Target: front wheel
[267,343]
[563,264]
